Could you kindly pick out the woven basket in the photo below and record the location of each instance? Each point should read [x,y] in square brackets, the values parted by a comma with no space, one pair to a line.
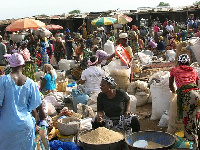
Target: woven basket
[65,128]
[61,85]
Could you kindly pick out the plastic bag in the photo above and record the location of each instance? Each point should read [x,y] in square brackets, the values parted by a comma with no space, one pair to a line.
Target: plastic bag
[164,120]
[79,97]
[56,144]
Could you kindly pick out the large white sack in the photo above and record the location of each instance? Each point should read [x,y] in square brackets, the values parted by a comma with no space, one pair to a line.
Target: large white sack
[133,100]
[109,47]
[161,96]
[161,78]
[64,64]
[170,55]
[143,58]
[60,75]
[195,49]
[140,90]
[160,93]
[164,120]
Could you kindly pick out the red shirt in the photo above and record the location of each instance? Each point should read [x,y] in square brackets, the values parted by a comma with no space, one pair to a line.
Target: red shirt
[184,75]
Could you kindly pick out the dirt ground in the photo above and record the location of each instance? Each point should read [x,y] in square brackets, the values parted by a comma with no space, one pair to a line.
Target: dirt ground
[144,113]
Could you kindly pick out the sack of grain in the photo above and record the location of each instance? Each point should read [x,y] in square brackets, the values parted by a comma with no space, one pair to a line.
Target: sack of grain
[61,85]
[85,110]
[133,100]
[170,55]
[140,90]
[60,75]
[64,64]
[160,93]
[174,125]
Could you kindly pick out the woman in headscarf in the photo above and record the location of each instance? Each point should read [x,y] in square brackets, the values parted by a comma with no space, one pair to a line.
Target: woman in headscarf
[48,81]
[134,35]
[59,49]
[113,106]
[19,97]
[92,76]
[188,96]
[28,70]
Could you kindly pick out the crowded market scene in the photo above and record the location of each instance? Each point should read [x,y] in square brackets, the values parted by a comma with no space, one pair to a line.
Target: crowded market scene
[109,81]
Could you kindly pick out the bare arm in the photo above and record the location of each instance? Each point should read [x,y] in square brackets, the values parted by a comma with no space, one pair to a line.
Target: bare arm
[82,81]
[171,84]
[42,114]
[99,116]
[127,107]
[43,83]
[111,56]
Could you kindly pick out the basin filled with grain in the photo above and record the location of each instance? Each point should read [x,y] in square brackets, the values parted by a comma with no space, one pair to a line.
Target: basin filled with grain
[150,140]
[101,139]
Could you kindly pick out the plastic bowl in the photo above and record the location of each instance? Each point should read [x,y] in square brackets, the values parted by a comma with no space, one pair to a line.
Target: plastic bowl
[162,138]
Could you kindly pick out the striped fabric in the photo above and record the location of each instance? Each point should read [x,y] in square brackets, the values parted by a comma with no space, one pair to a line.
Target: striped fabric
[184,76]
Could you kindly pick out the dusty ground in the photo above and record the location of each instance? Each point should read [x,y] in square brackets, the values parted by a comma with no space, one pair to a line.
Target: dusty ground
[144,113]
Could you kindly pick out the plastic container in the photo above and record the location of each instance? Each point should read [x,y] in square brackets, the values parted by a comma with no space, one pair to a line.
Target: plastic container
[162,138]
[68,126]
[66,138]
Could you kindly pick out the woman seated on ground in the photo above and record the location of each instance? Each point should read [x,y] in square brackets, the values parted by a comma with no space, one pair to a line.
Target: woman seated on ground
[112,105]
[48,81]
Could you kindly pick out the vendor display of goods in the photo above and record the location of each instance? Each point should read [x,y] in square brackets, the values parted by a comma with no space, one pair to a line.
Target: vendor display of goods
[101,135]
[68,126]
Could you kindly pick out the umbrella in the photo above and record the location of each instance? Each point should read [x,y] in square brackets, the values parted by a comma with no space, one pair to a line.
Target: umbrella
[54,27]
[104,21]
[123,19]
[25,24]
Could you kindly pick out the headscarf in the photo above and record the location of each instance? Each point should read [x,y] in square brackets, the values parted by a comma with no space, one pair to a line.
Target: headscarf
[15,60]
[67,30]
[92,63]
[48,68]
[110,80]
[184,59]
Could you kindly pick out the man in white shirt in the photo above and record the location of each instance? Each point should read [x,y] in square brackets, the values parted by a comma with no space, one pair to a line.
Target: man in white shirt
[169,27]
[92,76]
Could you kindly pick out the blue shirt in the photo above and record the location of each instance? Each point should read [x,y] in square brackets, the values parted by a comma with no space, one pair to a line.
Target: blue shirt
[50,83]
[16,122]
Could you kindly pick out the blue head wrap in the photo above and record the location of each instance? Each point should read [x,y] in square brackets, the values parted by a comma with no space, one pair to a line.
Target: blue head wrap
[67,30]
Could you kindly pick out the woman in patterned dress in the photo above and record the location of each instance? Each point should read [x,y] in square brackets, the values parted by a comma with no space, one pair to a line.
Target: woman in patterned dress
[188,97]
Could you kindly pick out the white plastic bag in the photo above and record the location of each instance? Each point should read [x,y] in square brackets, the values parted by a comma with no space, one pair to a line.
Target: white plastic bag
[64,64]
[164,120]
[109,47]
